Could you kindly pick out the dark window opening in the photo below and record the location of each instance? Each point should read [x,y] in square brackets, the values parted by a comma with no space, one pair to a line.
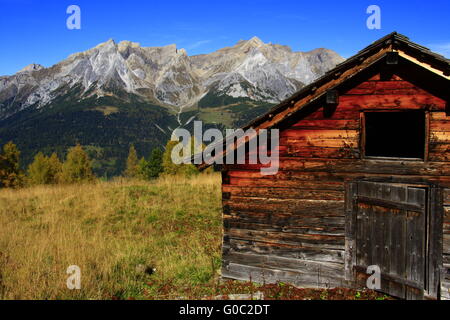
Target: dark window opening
[395,134]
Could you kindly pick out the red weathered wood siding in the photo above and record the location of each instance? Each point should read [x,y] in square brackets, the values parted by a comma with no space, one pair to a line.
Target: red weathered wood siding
[291,226]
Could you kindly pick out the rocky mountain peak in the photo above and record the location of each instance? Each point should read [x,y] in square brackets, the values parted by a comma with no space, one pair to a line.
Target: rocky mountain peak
[255,41]
[32,67]
[126,43]
[109,43]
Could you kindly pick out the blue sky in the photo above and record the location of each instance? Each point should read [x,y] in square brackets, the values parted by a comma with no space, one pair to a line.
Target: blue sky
[35,31]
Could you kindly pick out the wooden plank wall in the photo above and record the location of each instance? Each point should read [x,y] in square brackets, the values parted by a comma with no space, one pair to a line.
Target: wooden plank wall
[291,226]
[445,279]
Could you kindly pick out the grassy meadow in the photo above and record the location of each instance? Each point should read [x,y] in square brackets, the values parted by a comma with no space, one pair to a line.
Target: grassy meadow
[116,232]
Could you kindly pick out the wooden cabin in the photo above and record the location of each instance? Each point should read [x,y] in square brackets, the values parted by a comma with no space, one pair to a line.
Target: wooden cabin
[364,179]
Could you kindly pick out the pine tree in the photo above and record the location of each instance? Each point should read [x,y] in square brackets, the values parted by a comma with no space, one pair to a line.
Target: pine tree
[131,170]
[155,164]
[10,173]
[77,167]
[151,168]
[142,169]
[39,171]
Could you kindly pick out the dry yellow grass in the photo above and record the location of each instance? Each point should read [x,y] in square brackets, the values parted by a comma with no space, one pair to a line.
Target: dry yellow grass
[111,230]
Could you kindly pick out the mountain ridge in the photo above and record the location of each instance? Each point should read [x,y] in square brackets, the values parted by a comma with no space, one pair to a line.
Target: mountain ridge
[168,75]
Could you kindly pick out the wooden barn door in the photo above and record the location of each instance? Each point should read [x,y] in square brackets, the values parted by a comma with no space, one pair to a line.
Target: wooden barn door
[391,232]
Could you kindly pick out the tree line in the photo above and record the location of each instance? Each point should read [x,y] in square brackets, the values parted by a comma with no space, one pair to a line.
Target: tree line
[157,163]
[77,167]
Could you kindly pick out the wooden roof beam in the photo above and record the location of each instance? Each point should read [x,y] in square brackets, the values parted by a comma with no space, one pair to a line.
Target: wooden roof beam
[423,64]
